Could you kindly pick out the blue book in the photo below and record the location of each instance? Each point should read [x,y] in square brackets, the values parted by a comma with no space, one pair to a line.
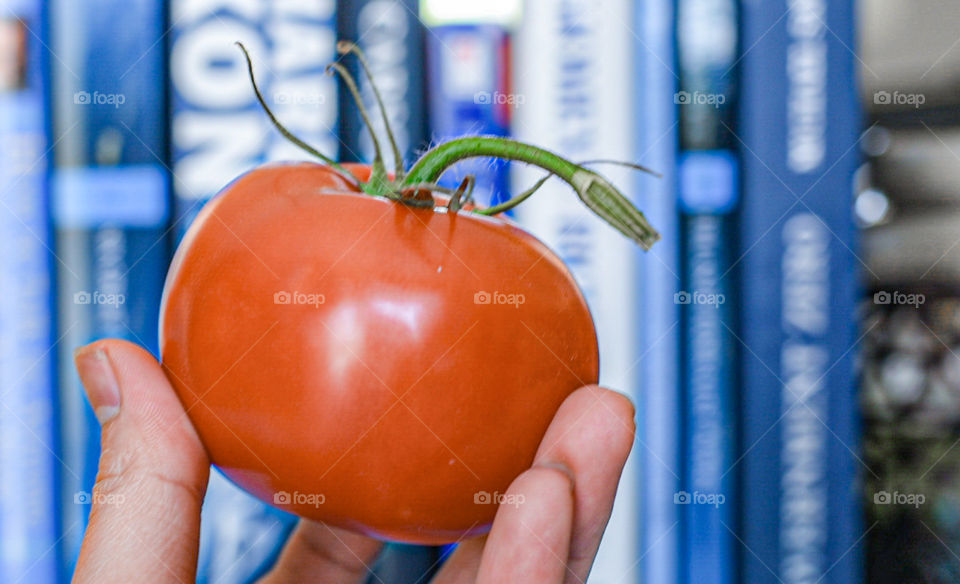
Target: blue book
[406,564]
[660,411]
[29,499]
[708,186]
[109,206]
[391,35]
[799,123]
[575,69]
[219,131]
[469,95]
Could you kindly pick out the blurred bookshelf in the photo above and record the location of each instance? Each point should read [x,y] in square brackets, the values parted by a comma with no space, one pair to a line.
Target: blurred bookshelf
[809,195]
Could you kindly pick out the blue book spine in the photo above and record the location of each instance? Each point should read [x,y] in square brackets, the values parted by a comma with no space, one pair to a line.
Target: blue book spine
[658,281]
[218,131]
[109,206]
[29,526]
[799,125]
[469,95]
[392,37]
[575,65]
[708,186]
[708,496]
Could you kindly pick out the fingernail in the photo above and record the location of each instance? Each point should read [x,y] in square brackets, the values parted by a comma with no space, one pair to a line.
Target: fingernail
[99,382]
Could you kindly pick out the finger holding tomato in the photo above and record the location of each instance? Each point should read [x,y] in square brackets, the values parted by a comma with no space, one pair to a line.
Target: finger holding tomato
[144,526]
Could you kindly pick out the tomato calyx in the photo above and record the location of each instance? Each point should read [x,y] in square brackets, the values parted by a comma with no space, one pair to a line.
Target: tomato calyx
[413,187]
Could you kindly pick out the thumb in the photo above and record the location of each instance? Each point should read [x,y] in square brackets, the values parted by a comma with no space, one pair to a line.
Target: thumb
[145,521]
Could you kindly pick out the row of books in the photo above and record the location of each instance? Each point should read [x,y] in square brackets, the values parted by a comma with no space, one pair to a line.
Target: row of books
[734,335]
[746,463]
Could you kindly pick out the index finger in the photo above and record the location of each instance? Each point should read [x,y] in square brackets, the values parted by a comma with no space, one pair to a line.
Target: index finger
[145,522]
[592,435]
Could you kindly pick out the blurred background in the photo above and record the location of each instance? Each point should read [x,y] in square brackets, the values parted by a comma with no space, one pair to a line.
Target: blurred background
[792,343]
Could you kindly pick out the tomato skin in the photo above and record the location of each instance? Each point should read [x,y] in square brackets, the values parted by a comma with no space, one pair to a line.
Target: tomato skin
[395,399]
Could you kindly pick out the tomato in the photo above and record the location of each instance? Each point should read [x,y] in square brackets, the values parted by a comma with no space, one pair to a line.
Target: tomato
[365,363]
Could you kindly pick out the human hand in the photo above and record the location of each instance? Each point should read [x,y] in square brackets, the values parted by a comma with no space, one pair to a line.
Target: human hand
[153,462]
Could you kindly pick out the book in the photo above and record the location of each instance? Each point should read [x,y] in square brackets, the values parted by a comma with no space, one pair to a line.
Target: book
[659,444]
[219,131]
[29,498]
[406,564]
[798,135]
[469,95]
[109,207]
[574,72]
[391,35]
[708,189]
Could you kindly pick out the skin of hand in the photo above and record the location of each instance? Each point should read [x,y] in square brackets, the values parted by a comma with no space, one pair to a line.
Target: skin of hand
[145,521]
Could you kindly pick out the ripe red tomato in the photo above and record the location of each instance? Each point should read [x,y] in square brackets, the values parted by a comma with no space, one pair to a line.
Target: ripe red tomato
[368,364]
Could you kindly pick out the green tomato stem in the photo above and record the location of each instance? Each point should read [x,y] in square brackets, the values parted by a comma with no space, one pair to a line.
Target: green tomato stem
[596,192]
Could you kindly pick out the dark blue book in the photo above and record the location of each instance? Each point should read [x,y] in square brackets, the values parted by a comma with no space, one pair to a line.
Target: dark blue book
[799,125]
[110,205]
[469,95]
[406,564]
[391,35]
[708,186]
[29,497]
